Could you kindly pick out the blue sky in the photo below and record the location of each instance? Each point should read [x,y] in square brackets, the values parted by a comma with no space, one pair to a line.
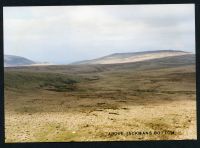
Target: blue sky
[65,34]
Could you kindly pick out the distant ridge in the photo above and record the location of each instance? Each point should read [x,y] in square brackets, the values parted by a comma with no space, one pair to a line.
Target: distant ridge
[13,61]
[130,57]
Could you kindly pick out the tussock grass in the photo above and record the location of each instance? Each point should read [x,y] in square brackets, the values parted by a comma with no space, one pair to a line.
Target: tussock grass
[85,103]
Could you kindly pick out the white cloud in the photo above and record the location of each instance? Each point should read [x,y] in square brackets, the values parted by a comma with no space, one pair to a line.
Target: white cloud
[69,33]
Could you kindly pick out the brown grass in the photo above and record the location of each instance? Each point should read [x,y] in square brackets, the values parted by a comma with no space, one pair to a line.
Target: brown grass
[161,100]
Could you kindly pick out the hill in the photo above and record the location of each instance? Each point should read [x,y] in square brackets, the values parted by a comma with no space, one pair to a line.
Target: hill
[133,57]
[12,61]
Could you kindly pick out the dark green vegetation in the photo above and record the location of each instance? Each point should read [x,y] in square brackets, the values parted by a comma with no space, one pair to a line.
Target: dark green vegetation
[37,80]
[85,102]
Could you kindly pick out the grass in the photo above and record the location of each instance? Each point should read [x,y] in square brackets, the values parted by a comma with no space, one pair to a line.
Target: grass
[96,100]
[36,80]
[54,132]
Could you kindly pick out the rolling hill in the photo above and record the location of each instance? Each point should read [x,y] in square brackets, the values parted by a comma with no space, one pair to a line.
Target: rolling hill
[117,58]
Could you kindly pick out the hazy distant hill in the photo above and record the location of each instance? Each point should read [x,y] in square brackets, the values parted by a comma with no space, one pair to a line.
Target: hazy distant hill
[133,57]
[12,61]
[160,63]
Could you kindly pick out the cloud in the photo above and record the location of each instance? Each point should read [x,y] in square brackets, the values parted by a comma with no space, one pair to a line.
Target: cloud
[71,33]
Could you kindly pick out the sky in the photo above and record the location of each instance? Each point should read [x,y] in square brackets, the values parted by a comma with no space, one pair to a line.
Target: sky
[65,34]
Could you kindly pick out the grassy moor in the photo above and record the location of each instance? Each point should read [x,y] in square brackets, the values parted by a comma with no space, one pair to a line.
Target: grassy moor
[146,100]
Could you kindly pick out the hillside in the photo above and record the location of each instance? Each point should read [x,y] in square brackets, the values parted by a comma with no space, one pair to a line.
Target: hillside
[166,62]
[133,57]
[12,61]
